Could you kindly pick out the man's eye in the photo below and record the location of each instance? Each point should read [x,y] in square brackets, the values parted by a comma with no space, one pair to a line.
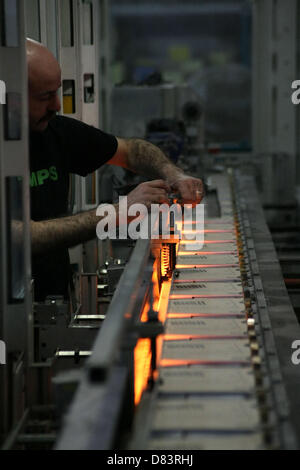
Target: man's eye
[47,97]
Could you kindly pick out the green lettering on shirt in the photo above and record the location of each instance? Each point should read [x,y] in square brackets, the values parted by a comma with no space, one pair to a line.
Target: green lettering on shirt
[38,178]
[33,181]
[53,173]
[42,175]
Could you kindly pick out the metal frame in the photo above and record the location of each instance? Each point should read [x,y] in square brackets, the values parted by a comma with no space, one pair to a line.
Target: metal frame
[47,11]
[15,318]
[272,307]
[273,115]
[77,60]
[105,86]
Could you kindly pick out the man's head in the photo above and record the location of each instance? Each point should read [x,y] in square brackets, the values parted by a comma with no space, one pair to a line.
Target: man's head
[44,80]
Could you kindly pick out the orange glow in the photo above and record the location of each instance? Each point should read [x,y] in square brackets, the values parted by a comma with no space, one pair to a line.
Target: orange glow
[200,253]
[193,337]
[207,231]
[142,365]
[142,351]
[142,360]
[207,222]
[144,316]
[164,300]
[155,287]
[202,279]
[183,362]
[192,266]
[162,309]
[207,315]
[200,296]
[179,225]
[164,262]
[190,242]
[156,297]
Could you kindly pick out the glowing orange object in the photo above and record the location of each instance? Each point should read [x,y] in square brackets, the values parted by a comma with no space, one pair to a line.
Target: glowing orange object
[193,337]
[142,353]
[200,296]
[192,266]
[162,309]
[156,295]
[206,231]
[142,350]
[200,279]
[164,300]
[144,316]
[190,242]
[142,367]
[207,315]
[207,222]
[200,253]
[184,363]
[165,257]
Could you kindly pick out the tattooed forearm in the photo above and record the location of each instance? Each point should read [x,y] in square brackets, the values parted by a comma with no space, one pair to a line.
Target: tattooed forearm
[147,159]
[64,232]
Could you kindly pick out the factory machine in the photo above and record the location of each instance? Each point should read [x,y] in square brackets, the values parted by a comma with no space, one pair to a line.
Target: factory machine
[195,351]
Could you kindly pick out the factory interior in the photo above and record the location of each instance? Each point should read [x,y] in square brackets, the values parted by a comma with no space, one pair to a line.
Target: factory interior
[163,343]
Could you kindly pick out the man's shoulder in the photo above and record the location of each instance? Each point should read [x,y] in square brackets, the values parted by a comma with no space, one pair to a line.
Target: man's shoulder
[72,130]
[64,122]
[70,127]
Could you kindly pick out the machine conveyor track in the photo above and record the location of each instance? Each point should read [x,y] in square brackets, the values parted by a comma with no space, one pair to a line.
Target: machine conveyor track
[207,393]
[224,376]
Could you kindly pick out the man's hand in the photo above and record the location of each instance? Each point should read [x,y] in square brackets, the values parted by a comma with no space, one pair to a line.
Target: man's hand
[151,192]
[190,189]
[146,159]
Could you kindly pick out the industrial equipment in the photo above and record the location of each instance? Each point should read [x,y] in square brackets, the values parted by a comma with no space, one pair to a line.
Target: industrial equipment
[220,375]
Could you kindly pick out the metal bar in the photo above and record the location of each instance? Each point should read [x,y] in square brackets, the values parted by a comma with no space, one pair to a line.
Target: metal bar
[12,437]
[15,291]
[108,340]
[276,311]
[105,434]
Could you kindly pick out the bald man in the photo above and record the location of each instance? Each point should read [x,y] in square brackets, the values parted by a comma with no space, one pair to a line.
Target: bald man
[59,146]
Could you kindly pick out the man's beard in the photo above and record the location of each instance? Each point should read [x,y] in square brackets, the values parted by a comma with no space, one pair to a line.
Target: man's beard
[47,117]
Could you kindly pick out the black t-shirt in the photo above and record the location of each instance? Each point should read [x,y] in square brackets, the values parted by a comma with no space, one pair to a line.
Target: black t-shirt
[67,146]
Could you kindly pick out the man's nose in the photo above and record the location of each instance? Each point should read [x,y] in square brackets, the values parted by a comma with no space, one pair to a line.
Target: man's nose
[55,104]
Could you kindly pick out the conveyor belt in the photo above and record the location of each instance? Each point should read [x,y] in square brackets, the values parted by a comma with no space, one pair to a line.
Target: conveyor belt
[225,379]
[207,392]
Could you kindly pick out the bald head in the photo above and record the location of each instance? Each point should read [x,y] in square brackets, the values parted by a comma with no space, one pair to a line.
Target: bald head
[44,80]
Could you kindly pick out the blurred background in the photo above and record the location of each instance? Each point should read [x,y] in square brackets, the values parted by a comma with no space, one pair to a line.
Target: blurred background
[205,44]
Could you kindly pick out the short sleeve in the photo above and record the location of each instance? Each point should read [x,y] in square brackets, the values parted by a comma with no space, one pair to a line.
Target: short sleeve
[85,147]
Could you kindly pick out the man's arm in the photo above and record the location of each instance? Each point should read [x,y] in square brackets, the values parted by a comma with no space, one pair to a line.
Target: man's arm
[136,155]
[145,158]
[66,232]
